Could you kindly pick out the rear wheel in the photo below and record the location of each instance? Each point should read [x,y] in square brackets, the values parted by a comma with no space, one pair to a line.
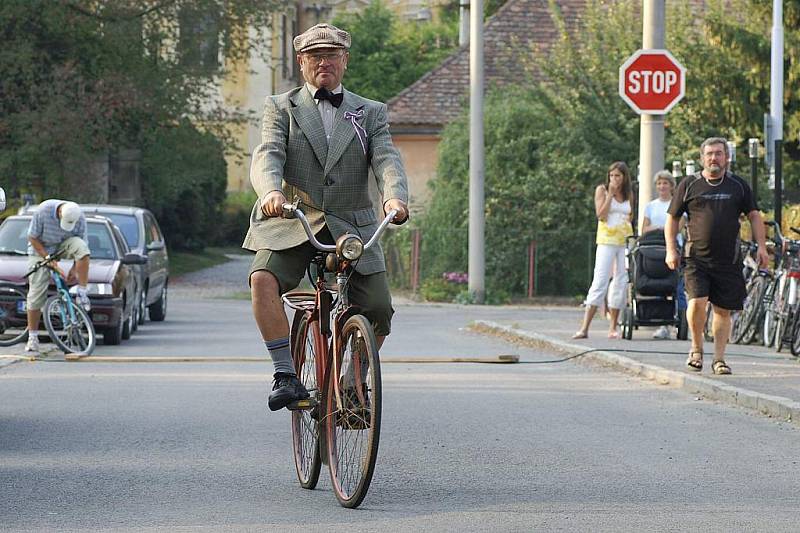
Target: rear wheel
[795,345]
[353,412]
[129,325]
[13,320]
[708,329]
[158,310]
[73,331]
[745,319]
[627,323]
[305,423]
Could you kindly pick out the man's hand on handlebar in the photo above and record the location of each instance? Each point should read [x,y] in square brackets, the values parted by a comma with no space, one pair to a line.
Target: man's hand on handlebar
[400,206]
[272,204]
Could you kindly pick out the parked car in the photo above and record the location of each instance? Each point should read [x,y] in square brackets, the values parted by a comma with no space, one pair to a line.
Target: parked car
[144,237]
[112,283]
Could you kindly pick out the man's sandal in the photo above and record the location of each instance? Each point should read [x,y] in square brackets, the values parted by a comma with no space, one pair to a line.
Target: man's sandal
[720,368]
[695,364]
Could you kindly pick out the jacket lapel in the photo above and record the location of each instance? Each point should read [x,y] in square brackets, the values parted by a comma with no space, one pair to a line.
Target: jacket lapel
[307,116]
[343,132]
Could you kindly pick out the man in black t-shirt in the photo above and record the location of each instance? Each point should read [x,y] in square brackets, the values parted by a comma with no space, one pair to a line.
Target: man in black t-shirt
[713,200]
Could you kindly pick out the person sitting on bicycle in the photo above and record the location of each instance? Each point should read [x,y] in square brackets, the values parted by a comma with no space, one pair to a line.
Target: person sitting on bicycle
[56,226]
[319,142]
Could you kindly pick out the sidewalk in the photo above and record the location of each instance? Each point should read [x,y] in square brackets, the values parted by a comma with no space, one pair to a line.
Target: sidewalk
[762,379]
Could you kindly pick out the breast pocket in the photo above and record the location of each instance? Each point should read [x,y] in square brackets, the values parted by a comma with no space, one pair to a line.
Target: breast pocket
[365,217]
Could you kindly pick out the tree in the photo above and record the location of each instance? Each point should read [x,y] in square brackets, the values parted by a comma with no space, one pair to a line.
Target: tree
[386,55]
[548,143]
[80,78]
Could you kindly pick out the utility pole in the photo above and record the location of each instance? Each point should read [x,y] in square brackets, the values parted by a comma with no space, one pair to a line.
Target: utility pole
[651,132]
[477,261]
[776,105]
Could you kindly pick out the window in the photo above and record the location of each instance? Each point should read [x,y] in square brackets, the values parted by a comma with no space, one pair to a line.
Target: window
[14,236]
[129,227]
[100,240]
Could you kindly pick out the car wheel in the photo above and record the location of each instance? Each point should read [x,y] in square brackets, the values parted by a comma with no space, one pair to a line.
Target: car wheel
[142,307]
[158,310]
[113,335]
[128,325]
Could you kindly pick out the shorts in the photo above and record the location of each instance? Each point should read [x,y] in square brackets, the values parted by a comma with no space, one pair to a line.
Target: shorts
[73,248]
[370,292]
[723,285]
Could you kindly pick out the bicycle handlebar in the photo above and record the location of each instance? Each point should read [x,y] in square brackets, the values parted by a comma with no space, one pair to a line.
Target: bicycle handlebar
[45,261]
[293,209]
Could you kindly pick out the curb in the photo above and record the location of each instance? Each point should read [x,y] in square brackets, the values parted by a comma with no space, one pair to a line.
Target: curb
[773,406]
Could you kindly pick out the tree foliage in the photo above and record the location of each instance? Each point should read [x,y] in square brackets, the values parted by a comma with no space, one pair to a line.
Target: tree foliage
[549,143]
[82,78]
[388,55]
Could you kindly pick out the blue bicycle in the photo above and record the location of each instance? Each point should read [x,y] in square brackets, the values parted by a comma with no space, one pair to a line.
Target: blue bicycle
[67,323]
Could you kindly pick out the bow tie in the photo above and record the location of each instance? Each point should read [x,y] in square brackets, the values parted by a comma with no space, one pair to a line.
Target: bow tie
[325,94]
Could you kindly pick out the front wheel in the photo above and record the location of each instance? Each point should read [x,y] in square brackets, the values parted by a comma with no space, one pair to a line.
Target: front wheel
[69,326]
[13,322]
[353,412]
[305,422]
[158,309]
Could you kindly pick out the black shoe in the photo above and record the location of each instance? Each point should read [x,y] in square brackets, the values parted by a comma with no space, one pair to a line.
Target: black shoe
[286,389]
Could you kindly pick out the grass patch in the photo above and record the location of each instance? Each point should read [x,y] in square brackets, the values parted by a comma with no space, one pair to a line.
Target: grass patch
[181,263]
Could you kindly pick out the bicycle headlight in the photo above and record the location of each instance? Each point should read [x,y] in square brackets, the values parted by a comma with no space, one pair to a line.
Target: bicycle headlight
[350,247]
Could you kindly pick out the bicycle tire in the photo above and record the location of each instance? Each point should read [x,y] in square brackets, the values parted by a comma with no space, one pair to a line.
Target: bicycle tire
[794,347]
[745,318]
[353,419]
[782,315]
[708,328]
[752,331]
[75,337]
[13,328]
[305,423]
[768,328]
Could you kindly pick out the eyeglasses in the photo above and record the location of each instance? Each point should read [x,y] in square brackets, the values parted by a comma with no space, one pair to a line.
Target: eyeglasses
[329,57]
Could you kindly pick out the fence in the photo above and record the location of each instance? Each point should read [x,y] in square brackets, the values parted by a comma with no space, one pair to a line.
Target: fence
[552,263]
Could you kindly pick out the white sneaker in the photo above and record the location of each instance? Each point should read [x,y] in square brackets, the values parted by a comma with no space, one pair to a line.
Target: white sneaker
[33,343]
[661,333]
[83,300]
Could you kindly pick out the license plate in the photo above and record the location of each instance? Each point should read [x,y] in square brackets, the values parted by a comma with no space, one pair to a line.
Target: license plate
[22,306]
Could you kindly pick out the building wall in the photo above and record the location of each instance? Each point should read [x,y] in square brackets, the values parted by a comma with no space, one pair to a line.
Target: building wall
[245,86]
[419,153]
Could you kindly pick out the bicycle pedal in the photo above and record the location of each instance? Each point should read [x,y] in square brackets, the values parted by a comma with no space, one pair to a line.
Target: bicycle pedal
[302,405]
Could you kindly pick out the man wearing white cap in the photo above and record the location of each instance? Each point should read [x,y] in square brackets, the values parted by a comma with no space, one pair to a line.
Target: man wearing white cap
[56,226]
[324,144]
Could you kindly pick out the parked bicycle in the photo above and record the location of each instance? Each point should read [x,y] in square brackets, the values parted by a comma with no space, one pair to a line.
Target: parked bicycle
[780,312]
[66,322]
[335,353]
[746,322]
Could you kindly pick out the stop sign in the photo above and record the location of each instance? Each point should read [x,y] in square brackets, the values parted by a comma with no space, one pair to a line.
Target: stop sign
[652,81]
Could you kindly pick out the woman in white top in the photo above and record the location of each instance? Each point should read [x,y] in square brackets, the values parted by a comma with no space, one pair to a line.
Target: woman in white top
[612,203]
[655,218]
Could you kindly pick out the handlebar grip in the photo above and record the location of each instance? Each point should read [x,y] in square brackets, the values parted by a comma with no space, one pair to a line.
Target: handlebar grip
[769,223]
[794,229]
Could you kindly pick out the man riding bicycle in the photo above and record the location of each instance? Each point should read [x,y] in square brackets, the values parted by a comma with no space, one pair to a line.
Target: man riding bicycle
[319,142]
[56,226]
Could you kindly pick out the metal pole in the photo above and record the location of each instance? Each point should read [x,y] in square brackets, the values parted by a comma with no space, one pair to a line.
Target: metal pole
[776,103]
[477,262]
[651,133]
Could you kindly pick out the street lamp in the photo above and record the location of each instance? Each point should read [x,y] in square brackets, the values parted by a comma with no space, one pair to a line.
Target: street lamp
[689,167]
[676,170]
[752,151]
[731,155]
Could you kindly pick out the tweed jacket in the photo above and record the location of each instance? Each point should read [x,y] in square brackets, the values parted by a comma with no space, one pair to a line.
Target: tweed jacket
[331,177]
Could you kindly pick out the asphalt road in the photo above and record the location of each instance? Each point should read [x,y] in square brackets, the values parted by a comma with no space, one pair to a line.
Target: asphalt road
[180,446]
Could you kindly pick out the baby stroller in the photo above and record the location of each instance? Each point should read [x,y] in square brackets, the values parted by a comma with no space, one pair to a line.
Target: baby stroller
[652,287]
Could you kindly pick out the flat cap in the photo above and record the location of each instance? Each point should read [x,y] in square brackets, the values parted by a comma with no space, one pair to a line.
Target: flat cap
[321,36]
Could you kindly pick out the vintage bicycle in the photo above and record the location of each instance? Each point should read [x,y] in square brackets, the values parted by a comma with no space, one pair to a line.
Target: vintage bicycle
[335,354]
